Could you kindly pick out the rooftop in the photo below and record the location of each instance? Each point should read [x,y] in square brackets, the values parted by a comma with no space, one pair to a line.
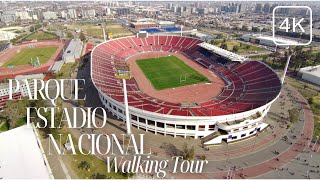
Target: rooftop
[222,52]
[21,155]
[270,38]
[312,70]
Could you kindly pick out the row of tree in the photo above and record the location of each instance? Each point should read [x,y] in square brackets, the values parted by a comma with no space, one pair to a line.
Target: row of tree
[300,57]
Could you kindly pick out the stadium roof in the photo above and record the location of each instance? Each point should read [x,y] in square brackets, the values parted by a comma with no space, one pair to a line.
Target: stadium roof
[222,52]
[21,155]
[57,66]
[271,39]
[73,50]
[312,70]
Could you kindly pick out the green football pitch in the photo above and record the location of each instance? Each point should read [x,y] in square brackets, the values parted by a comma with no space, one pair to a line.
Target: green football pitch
[169,72]
[25,56]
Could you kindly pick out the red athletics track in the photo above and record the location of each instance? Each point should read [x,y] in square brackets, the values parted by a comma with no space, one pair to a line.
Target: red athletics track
[5,56]
[185,94]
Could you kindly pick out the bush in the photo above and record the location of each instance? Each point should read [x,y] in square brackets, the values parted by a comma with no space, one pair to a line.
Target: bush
[294,115]
[84,165]
[188,153]
[311,100]
[203,157]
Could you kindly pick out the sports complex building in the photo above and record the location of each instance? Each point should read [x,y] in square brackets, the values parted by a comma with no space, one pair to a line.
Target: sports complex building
[228,106]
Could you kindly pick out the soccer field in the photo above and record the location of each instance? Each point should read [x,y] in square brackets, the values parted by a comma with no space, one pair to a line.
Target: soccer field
[169,72]
[25,56]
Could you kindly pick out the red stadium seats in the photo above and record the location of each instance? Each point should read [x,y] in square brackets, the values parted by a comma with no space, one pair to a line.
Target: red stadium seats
[250,84]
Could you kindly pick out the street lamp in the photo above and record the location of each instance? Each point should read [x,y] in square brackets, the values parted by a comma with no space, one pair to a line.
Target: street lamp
[103,25]
[123,72]
[287,65]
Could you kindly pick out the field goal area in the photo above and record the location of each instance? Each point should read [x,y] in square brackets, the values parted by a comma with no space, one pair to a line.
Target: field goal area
[31,55]
[169,72]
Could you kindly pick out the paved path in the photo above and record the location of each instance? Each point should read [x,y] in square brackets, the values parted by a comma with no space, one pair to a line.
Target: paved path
[251,158]
[272,164]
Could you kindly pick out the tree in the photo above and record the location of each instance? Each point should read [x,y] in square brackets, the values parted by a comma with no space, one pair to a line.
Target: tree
[224,46]
[188,153]
[294,115]
[45,24]
[275,55]
[247,47]
[311,100]
[70,35]
[82,37]
[32,29]
[235,48]
[13,111]
[255,29]
[37,26]
[219,36]
[316,59]
[244,28]
[300,58]
[203,157]
[84,165]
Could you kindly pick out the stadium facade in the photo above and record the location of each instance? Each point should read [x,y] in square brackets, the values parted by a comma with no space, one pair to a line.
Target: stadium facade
[236,113]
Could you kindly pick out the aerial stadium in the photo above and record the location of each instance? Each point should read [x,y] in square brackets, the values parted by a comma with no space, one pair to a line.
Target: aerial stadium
[182,86]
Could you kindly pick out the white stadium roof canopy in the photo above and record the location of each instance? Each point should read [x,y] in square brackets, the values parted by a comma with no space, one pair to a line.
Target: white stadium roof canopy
[21,155]
[222,52]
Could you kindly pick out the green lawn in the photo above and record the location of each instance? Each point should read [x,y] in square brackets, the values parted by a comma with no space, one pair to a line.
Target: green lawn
[96,31]
[311,93]
[166,72]
[24,57]
[72,161]
[3,126]
[243,48]
[41,36]
[66,71]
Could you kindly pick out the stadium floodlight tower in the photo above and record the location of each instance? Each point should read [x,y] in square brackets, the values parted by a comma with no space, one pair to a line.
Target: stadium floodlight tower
[287,64]
[123,72]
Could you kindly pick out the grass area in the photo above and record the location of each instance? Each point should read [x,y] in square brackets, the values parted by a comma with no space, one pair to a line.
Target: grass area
[214,32]
[243,48]
[311,93]
[96,31]
[315,106]
[294,115]
[262,56]
[40,36]
[21,122]
[94,165]
[3,126]
[66,71]
[167,72]
[25,56]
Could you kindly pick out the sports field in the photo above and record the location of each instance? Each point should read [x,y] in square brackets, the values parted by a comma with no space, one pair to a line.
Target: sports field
[25,55]
[169,72]
[41,36]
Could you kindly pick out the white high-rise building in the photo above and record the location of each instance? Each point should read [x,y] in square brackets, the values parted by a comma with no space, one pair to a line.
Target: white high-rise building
[23,15]
[72,13]
[89,13]
[50,15]
[108,10]
[8,17]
